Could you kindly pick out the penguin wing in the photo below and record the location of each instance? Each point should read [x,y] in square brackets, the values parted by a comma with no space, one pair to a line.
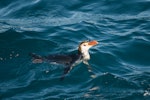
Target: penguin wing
[66,71]
[76,60]
[62,59]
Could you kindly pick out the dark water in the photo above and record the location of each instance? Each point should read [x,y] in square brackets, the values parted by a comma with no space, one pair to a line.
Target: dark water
[121,61]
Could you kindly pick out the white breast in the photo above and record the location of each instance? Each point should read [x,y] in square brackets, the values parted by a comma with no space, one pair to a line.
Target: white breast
[86,56]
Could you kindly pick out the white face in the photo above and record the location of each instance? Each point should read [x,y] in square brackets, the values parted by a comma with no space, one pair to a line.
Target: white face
[84,47]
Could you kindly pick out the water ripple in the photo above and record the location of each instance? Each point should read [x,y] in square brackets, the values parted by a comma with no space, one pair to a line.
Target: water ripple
[120,63]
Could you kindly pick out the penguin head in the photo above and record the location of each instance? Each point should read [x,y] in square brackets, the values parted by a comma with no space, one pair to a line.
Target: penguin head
[86,45]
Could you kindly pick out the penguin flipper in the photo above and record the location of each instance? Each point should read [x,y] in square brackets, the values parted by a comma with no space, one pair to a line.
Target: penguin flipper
[66,71]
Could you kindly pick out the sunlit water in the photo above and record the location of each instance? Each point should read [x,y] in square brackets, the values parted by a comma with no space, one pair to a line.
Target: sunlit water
[120,63]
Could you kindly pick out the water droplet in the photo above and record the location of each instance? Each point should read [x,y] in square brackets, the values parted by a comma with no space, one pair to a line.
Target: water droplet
[93,76]
[10,55]
[47,71]
[17,55]
[1,58]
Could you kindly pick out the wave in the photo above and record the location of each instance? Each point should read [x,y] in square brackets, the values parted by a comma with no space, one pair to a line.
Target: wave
[120,63]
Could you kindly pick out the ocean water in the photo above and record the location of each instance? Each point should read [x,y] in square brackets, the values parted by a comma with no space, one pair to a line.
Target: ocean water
[120,62]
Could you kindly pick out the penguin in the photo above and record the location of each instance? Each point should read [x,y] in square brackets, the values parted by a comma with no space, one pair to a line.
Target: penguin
[69,60]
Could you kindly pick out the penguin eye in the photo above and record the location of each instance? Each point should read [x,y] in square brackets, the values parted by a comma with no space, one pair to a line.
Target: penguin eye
[84,45]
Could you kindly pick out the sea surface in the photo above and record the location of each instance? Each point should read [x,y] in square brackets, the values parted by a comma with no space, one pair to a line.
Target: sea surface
[120,62]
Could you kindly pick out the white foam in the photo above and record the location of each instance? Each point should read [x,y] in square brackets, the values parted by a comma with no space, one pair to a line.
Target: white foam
[146,93]
[94,88]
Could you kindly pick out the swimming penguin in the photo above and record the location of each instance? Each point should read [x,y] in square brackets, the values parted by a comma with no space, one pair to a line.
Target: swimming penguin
[69,60]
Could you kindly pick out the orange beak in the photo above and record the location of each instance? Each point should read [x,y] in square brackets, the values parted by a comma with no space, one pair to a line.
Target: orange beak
[92,43]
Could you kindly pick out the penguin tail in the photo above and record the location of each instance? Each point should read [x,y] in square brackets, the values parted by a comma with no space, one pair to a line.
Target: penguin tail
[36,58]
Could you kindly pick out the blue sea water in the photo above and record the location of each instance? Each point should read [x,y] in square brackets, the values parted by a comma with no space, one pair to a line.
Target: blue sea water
[120,62]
